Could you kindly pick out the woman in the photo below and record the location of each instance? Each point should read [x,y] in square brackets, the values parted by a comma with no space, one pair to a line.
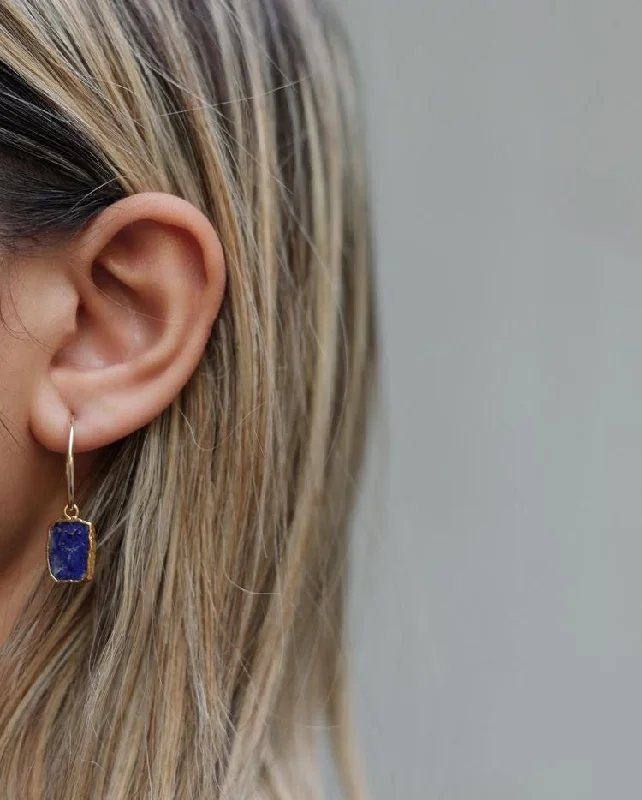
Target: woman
[187,351]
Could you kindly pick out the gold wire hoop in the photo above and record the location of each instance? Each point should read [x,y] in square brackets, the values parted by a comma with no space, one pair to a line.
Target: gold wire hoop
[71,510]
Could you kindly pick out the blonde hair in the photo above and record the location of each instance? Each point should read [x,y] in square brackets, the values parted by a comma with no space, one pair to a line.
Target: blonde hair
[199,660]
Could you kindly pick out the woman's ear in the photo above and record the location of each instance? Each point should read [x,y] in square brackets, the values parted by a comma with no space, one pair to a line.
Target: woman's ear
[126,321]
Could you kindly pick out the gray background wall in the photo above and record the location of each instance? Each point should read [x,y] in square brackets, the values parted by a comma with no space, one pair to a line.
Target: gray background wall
[497,615]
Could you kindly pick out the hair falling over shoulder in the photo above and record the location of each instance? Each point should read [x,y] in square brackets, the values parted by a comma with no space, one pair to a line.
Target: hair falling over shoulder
[200,661]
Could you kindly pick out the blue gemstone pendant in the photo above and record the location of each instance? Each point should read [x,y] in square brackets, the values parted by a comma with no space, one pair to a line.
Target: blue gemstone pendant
[71,550]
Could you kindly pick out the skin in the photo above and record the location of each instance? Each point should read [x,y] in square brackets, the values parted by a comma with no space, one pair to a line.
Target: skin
[109,326]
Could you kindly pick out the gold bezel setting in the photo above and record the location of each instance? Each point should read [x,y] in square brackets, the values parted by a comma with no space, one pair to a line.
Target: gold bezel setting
[91,555]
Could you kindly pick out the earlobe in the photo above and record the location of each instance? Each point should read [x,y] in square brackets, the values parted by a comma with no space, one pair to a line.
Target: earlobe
[149,276]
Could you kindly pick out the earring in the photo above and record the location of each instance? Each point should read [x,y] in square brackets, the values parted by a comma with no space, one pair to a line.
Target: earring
[71,544]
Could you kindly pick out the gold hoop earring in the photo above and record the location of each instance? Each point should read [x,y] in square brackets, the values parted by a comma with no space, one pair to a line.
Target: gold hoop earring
[71,544]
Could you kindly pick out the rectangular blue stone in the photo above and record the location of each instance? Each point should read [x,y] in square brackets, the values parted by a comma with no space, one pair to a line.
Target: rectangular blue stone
[70,550]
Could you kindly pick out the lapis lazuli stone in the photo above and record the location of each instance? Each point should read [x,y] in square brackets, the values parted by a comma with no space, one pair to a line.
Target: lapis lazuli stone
[69,550]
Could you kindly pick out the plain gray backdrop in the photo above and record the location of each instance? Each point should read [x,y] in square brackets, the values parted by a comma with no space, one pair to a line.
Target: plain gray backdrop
[496,614]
